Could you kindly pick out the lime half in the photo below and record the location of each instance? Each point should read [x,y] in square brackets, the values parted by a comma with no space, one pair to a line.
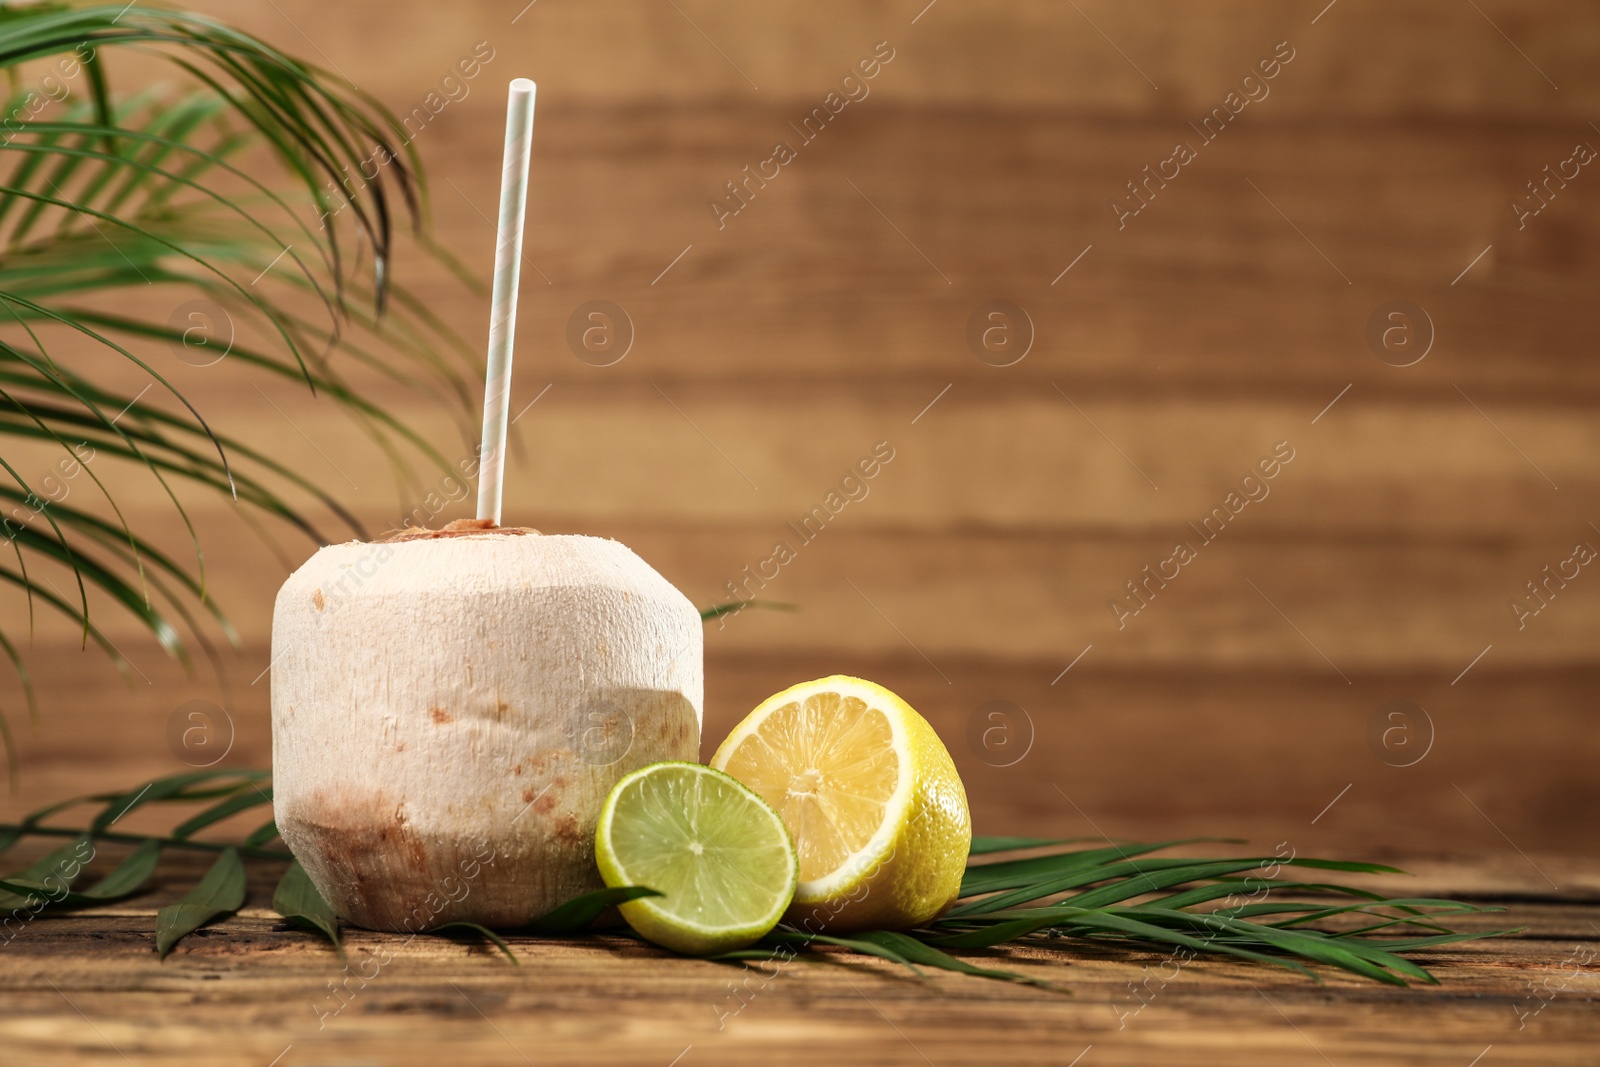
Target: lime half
[718,854]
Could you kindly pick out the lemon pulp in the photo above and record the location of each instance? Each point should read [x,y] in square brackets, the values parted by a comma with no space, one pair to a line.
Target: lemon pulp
[870,794]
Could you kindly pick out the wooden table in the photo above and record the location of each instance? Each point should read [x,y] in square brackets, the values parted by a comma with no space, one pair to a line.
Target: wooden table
[252,991]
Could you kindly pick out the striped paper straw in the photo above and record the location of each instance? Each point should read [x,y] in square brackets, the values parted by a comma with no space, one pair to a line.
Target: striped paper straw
[503,301]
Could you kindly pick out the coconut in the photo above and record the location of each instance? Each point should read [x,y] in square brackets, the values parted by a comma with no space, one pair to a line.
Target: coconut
[450,709]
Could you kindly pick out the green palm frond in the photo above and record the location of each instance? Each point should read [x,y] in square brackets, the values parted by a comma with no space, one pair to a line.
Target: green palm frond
[104,192]
[1116,893]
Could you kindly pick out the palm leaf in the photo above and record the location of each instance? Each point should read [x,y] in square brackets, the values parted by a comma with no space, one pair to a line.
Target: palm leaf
[113,191]
[297,900]
[576,914]
[1193,906]
[219,894]
[475,930]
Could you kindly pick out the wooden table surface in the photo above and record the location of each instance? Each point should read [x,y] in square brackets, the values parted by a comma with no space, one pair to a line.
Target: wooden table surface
[1173,350]
[88,990]
[252,991]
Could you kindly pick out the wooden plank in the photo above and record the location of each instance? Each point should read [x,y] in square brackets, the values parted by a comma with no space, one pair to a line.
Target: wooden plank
[88,986]
[1209,291]
[253,990]
[1119,749]
[1209,280]
[701,455]
[1427,583]
[1028,54]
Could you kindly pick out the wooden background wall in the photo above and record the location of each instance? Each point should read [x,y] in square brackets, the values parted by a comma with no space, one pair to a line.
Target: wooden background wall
[1176,352]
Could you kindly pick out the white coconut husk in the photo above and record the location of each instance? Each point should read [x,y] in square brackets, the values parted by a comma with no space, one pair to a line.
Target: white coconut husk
[449,712]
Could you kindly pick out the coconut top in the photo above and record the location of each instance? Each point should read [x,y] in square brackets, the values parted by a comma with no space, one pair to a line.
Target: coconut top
[455,528]
[469,562]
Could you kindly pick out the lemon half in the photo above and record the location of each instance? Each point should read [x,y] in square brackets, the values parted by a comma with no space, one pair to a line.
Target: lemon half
[868,791]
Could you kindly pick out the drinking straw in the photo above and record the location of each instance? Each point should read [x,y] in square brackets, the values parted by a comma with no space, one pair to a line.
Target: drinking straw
[503,301]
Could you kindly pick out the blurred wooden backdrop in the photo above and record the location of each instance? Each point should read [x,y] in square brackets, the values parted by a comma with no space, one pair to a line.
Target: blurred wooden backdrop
[1169,355]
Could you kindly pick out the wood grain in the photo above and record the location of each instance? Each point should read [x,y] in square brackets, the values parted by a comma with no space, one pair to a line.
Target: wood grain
[832,312]
[252,990]
[1495,803]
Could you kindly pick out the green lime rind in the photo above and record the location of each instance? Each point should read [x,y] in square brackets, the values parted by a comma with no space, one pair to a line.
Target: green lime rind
[719,855]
